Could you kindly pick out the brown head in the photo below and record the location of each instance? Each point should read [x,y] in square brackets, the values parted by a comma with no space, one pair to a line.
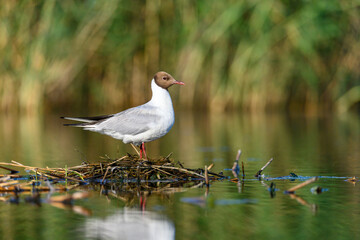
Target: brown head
[165,80]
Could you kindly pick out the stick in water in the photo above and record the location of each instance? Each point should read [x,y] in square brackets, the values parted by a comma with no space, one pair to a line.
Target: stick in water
[263,168]
[307,182]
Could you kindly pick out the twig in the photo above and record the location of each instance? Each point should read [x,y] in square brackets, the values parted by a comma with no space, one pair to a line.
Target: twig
[135,149]
[210,167]
[12,171]
[180,164]
[215,174]
[118,160]
[17,163]
[263,168]
[107,169]
[181,170]
[293,189]
[168,156]
[6,184]
[206,176]
[51,174]
[163,171]
[4,179]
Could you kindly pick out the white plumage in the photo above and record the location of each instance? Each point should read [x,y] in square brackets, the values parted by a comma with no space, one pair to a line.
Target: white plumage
[144,123]
[140,124]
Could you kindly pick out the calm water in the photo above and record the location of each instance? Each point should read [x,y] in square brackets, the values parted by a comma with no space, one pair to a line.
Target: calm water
[314,146]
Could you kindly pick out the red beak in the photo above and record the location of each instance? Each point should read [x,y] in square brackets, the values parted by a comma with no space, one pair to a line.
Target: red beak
[180,83]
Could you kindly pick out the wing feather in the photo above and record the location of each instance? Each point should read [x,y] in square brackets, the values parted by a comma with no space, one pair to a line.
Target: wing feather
[131,121]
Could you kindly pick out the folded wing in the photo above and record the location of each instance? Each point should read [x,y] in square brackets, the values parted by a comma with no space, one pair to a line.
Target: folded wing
[129,122]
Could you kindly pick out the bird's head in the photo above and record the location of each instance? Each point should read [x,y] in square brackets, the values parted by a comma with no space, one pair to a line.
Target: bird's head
[165,80]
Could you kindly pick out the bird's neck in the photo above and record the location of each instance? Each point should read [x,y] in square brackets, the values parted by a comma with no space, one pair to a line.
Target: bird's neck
[160,96]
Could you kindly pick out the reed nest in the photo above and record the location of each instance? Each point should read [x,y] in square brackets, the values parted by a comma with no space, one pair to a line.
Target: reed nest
[128,168]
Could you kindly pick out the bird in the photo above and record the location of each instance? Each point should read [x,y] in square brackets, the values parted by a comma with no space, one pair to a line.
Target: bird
[141,124]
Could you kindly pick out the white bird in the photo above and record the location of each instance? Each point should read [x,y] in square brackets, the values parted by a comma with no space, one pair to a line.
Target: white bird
[140,124]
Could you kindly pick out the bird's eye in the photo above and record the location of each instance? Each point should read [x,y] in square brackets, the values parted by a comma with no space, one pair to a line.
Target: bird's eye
[164,78]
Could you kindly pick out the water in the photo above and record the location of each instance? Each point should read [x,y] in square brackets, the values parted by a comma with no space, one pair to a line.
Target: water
[313,146]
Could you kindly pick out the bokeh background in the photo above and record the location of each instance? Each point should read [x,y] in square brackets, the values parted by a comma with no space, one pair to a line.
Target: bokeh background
[278,55]
[261,76]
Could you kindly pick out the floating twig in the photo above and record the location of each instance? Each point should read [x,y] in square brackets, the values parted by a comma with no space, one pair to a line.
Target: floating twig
[263,168]
[307,182]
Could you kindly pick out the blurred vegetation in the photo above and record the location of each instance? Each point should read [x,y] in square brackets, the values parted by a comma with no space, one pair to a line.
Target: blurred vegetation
[251,55]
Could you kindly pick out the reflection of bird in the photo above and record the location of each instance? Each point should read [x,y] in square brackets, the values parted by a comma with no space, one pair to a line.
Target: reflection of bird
[140,124]
[130,224]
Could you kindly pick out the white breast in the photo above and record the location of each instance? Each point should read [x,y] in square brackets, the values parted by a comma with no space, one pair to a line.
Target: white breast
[162,106]
[144,123]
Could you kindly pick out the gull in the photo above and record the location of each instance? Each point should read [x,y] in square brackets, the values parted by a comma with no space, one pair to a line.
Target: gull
[141,124]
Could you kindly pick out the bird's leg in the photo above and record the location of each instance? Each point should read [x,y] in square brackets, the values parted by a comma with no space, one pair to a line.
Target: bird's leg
[143,148]
[141,151]
[143,203]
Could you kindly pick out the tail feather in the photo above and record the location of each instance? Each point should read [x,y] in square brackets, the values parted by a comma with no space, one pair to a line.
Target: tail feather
[85,120]
[77,124]
[79,119]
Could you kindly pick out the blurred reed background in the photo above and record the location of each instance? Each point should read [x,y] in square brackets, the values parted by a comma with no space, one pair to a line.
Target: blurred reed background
[249,55]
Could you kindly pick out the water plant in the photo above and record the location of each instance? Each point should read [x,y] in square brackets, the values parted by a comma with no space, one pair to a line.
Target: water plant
[249,55]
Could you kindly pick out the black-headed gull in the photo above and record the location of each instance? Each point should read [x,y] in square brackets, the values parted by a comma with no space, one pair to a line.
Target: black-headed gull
[140,124]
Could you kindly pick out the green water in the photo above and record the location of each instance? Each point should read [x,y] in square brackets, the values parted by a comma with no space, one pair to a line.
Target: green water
[308,146]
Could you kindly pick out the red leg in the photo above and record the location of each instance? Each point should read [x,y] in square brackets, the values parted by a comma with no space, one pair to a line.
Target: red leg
[141,152]
[143,203]
[143,147]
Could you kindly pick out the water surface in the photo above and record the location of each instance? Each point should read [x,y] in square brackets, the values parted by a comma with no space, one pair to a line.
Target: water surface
[308,146]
